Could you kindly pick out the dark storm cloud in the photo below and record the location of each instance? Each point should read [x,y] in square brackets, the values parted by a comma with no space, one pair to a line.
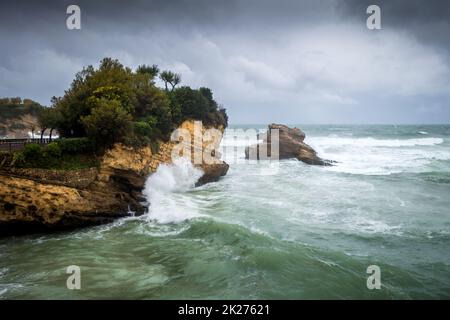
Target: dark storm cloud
[290,61]
[428,20]
[171,14]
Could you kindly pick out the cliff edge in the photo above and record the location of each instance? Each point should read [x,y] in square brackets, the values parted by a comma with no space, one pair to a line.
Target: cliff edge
[35,199]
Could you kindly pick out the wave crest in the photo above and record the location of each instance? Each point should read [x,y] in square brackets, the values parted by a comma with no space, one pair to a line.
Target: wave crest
[165,188]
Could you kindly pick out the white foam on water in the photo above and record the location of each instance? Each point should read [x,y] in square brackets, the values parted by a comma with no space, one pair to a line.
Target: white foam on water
[364,224]
[371,156]
[3,272]
[165,189]
[372,142]
[2,292]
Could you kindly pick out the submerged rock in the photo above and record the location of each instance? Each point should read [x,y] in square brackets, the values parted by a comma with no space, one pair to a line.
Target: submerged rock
[290,146]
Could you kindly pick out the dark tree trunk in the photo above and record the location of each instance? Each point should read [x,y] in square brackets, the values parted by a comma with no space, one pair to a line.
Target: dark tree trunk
[42,133]
[51,132]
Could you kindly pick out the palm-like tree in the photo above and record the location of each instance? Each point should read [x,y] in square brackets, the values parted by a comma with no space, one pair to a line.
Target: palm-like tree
[176,80]
[169,77]
[152,70]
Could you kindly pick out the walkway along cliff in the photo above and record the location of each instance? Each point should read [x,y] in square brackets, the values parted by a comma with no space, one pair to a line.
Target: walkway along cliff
[39,199]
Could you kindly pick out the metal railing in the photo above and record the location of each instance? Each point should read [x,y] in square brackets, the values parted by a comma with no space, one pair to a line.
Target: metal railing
[12,145]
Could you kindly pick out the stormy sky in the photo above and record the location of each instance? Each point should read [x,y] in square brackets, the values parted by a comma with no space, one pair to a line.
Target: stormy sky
[297,61]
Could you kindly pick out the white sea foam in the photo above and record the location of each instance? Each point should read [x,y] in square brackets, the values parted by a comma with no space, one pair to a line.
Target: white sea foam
[372,142]
[3,291]
[371,156]
[3,272]
[239,142]
[165,191]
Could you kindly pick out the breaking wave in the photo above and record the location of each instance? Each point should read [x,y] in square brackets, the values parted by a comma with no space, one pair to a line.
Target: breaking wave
[166,189]
[370,156]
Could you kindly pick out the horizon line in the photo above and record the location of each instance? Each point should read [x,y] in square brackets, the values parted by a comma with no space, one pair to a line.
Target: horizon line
[343,124]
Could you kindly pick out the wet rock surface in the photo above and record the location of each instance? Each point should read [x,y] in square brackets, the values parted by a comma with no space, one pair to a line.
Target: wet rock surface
[290,145]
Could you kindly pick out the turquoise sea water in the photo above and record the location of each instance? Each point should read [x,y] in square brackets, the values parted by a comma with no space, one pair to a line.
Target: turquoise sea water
[267,230]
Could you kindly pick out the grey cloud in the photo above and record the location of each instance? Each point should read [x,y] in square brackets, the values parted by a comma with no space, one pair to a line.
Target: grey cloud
[287,61]
[428,20]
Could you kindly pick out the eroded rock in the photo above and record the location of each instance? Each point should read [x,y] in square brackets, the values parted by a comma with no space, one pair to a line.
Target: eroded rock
[34,199]
[291,145]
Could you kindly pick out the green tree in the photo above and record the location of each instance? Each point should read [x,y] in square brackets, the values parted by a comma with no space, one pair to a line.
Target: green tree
[48,118]
[154,102]
[108,122]
[175,80]
[200,105]
[14,108]
[112,77]
[16,100]
[115,89]
[193,104]
[152,70]
[168,77]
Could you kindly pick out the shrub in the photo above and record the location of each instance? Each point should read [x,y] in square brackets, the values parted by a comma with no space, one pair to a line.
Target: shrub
[5,158]
[18,159]
[132,140]
[32,153]
[142,128]
[75,145]
[52,151]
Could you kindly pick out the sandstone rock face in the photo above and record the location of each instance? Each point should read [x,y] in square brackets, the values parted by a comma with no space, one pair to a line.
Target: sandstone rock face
[33,199]
[26,204]
[202,151]
[18,128]
[290,146]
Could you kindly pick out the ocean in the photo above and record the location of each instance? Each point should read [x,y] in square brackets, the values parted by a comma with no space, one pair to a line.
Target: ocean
[267,230]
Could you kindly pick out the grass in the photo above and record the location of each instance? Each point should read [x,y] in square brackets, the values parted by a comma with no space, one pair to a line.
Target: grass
[64,163]
[75,162]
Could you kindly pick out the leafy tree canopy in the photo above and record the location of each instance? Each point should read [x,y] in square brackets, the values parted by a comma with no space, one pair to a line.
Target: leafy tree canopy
[13,108]
[112,103]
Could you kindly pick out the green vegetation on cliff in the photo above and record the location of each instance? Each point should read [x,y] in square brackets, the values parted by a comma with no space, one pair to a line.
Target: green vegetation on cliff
[13,108]
[63,154]
[116,104]
[111,104]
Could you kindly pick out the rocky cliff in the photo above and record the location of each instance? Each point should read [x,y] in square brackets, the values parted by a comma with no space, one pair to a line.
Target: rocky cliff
[19,128]
[290,145]
[41,199]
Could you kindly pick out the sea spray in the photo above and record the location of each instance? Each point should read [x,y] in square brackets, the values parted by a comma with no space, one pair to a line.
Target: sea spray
[165,189]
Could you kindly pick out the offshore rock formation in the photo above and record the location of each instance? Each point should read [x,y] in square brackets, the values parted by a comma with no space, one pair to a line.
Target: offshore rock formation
[33,199]
[291,145]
